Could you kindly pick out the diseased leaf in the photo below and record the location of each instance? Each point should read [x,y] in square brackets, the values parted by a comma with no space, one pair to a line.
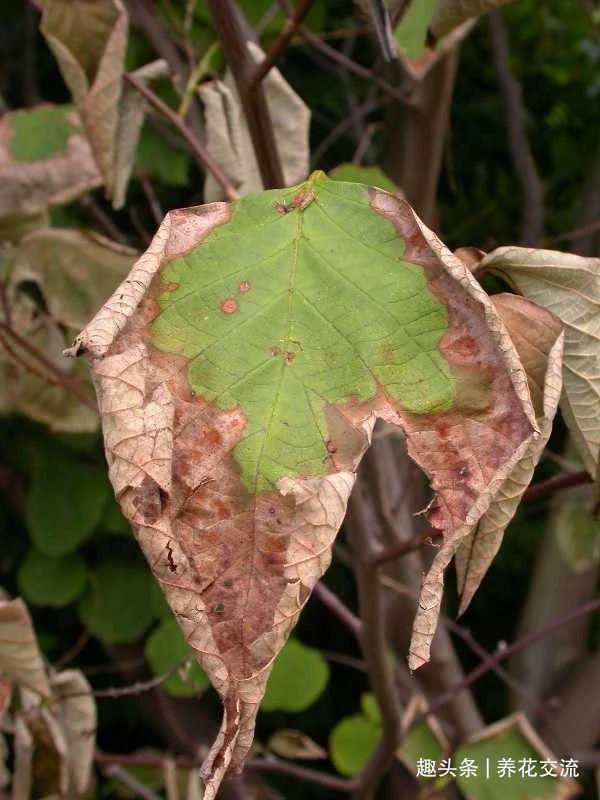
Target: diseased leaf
[240,369]
[228,138]
[20,658]
[512,738]
[569,286]
[452,13]
[538,337]
[288,743]
[89,41]
[299,677]
[75,270]
[76,715]
[45,160]
[55,582]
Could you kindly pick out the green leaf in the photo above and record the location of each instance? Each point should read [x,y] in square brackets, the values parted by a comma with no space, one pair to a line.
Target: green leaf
[165,648]
[117,608]
[158,158]
[369,707]
[577,528]
[299,677]
[511,738]
[40,133]
[352,742]
[64,503]
[56,582]
[411,33]
[420,742]
[372,176]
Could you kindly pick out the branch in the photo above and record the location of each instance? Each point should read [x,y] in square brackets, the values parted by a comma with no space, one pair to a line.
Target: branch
[404,548]
[57,376]
[338,609]
[254,104]
[139,789]
[532,188]
[374,644]
[203,157]
[505,652]
[265,764]
[551,486]
[290,26]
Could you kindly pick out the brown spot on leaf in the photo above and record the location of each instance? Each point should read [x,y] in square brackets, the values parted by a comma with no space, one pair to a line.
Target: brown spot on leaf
[169,287]
[276,351]
[289,356]
[244,287]
[229,305]
[331,448]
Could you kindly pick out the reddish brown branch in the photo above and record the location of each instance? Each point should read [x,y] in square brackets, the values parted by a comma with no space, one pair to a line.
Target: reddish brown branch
[235,47]
[551,486]
[290,27]
[505,652]
[203,157]
[404,548]
[338,609]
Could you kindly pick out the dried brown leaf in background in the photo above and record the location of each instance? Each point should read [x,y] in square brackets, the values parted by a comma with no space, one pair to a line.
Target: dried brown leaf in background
[20,658]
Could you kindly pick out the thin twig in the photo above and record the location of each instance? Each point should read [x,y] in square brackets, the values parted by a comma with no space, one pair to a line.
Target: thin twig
[404,548]
[532,187]
[253,100]
[102,219]
[344,125]
[203,157]
[549,487]
[153,201]
[505,652]
[57,375]
[575,234]
[290,26]
[266,764]
[338,609]
[401,93]
[119,773]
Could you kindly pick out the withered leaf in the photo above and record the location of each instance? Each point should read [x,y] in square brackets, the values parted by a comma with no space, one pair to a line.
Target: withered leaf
[228,138]
[452,13]
[569,286]
[538,337]
[89,41]
[45,160]
[76,716]
[20,658]
[240,369]
[289,743]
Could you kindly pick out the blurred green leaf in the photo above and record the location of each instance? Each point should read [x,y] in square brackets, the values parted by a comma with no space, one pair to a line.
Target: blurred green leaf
[371,176]
[577,528]
[113,520]
[117,608]
[352,743]
[165,648]
[411,32]
[64,503]
[41,132]
[46,581]
[511,738]
[369,707]
[298,679]
[158,158]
